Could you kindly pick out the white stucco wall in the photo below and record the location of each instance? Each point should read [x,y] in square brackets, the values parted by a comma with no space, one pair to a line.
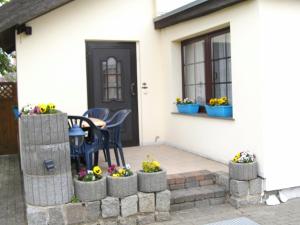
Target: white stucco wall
[215,138]
[264,46]
[279,22]
[164,6]
[52,61]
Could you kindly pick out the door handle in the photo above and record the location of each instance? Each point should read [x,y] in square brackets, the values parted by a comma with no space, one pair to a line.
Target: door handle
[132,89]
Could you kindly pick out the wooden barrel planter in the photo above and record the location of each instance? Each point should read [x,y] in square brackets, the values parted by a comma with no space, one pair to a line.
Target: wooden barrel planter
[121,187]
[91,190]
[45,137]
[152,182]
[243,171]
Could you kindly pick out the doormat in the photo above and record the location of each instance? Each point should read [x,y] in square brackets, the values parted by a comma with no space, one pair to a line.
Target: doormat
[237,221]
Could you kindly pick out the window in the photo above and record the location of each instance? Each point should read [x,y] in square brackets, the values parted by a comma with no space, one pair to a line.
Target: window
[112,80]
[206,62]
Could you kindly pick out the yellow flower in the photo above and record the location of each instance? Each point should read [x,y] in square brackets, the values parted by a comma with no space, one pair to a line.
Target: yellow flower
[51,106]
[156,164]
[116,175]
[212,101]
[97,170]
[121,171]
[43,108]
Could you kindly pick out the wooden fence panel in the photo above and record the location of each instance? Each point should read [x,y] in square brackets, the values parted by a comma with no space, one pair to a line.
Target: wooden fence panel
[8,123]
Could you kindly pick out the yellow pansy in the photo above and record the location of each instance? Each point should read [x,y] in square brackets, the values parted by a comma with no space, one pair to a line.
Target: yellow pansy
[51,106]
[43,108]
[97,170]
[156,164]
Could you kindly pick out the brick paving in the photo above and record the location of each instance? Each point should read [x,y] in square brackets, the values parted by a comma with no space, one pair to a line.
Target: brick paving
[12,208]
[284,214]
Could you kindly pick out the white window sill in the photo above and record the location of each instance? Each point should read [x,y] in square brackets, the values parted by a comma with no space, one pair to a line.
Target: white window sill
[203,115]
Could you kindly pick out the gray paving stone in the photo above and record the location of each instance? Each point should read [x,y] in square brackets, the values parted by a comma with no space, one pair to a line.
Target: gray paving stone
[110,207]
[129,205]
[37,216]
[239,188]
[130,220]
[222,178]
[146,202]
[56,216]
[255,186]
[163,201]
[162,216]
[75,213]
[93,211]
[144,219]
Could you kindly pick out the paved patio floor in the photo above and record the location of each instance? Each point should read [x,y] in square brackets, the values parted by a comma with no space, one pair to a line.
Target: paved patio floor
[174,160]
[12,208]
[284,214]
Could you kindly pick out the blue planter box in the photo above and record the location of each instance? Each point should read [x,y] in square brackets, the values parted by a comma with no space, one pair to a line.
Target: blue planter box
[188,108]
[219,111]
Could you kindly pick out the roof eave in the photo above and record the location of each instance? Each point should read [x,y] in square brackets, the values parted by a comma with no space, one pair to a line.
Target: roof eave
[193,10]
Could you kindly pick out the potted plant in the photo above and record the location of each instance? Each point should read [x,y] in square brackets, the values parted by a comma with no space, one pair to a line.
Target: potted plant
[90,185]
[152,178]
[187,106]
[219,107]
[243,167]
[121,181]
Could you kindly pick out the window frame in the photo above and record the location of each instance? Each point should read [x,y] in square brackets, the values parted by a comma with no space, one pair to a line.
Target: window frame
[207,61]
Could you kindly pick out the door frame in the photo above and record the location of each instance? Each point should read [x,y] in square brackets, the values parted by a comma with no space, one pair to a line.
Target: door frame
[92,44]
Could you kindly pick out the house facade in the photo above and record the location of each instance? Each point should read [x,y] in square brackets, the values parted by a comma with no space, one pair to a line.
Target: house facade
[120,53]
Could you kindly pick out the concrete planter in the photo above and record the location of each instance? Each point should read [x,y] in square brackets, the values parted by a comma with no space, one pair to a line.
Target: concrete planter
[121,187]
[243,171]
[45,137]
[90,191]
[152,182]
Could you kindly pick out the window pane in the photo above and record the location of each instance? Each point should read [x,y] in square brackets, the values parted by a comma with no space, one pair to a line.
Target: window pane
[200,94]
[200,73]
[120,93]
[189,54]
[219,71]
[112,93]
[112,80]
[199,51]
[190,92]
[219,46]
[111,66]
[229,91]
[220,90]
[189,76]
[228,44]
[229,70]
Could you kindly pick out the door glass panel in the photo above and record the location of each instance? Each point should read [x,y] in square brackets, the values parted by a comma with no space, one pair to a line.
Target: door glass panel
[200,94]
[112,80]
[189,54]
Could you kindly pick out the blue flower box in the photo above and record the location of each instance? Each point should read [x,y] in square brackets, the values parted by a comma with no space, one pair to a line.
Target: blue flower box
[188,108]
[219,111]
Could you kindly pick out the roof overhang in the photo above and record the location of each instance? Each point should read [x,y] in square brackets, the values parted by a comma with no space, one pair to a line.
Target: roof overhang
[193,10]
[19,12]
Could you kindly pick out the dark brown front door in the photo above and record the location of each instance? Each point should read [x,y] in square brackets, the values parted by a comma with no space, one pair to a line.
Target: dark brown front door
[8,124]
[112,82]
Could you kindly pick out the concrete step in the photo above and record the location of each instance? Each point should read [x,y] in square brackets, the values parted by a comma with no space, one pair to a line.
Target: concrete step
[202,196]
[191,179]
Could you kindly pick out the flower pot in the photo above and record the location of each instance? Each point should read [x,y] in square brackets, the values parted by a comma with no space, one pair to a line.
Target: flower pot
[152,182]
[188,108]
[219,111]
[121,187]
[243,171]
[90,190]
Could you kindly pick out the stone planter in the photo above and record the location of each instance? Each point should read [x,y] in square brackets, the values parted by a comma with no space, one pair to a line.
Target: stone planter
[90,191]
[152,182]
[243,171]
[121,187]
[45,137]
